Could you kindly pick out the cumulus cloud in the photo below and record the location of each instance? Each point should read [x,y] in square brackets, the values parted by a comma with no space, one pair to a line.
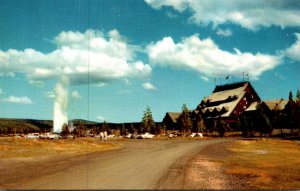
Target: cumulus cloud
[250,14]
[293,51]
[205,57]
[17,100]
[149,86]
[226,32]
[178,5]
[90,57]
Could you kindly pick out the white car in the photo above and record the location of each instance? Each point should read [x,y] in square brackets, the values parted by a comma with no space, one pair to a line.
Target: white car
[32,136]
[147,136]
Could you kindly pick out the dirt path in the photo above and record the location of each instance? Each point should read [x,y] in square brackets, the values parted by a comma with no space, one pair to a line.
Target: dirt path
[205,171]
[143,164]
[201,171]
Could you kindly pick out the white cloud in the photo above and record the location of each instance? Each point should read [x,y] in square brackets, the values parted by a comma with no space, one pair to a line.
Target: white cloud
[178,5]
[50,94]
[226,32]
[100,118]
[293,52]
[149,86]
[17,100]
[205,57]
[250,14]
[75,95]
[101,57]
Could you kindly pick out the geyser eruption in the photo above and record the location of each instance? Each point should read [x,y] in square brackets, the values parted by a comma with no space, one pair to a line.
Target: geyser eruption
[60,116]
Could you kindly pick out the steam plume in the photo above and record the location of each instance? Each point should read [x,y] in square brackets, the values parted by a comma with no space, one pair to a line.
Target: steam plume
[60,104]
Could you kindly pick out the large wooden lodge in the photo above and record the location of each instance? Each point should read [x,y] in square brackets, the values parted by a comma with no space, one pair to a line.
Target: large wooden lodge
[227,103]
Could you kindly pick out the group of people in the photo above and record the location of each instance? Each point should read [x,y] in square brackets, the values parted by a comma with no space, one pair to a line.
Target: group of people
[103,136]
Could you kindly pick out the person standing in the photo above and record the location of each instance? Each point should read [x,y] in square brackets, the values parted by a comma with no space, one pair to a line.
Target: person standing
[101,136]
[105,135]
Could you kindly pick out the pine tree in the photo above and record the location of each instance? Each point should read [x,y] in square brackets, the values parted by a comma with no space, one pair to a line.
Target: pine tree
[290,112]
[291,96]
[148,124]
[200,126]
[131,129]
[65,130]
[123,130]
[185,122]
[298,96]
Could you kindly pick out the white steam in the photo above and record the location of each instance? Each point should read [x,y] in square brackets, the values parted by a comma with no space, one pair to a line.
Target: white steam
[60,116]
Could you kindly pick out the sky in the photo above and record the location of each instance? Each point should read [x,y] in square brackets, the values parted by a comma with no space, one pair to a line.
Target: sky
[109,60]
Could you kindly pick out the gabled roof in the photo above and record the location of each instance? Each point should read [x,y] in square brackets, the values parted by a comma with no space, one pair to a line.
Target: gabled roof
[276,104]
[223,95]
[227,98]
[174,116]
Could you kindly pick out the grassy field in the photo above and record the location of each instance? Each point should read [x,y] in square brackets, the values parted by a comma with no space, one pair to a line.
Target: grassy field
[265,164]
[36,148]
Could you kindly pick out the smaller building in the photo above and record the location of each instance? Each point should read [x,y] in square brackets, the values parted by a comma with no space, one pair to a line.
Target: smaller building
[276,105]
[278,113]
[171,120]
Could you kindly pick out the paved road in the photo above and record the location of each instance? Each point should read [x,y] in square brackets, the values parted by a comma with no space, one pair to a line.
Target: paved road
[142,164]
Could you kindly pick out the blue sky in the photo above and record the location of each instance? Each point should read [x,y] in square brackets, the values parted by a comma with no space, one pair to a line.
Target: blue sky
[114,58]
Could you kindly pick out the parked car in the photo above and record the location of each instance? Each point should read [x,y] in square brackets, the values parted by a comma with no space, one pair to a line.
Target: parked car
[147,135]
[32,136]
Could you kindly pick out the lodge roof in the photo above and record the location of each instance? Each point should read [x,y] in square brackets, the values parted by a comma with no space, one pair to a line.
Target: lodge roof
[226,93]
[174,116]
[276,104]
[228,96]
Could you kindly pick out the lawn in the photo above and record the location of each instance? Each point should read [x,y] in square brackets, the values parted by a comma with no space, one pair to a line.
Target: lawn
[265,163]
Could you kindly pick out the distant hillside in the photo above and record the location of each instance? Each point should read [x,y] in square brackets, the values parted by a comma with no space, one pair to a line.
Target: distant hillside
[11,125]
[8,126]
